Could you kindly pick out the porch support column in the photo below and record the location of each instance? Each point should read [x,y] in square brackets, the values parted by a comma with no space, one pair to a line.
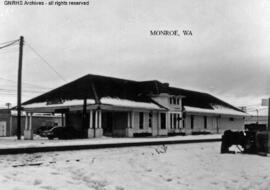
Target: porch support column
[30,122]
[91,119]
[96,119]
[28,131]
[26,121]
[99,119]
[98,124]
[91,130]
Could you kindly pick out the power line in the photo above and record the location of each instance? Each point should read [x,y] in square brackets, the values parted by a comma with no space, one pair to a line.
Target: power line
[14,93]
[27,83]
[10,49]
[14,90]
[45,61]
[10,44]
[13,87]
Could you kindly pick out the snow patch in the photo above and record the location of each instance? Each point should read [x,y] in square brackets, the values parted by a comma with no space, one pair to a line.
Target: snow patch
[217,110]
[75,102]
[129,103]
[187,166]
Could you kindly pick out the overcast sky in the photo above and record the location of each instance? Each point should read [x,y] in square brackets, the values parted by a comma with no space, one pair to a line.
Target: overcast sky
[228,54]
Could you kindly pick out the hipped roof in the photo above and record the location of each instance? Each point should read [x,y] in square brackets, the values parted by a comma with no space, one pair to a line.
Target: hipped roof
[97,87]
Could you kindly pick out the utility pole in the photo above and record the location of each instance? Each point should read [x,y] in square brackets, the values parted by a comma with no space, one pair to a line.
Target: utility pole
[257,117]
[268,124]
[19,89]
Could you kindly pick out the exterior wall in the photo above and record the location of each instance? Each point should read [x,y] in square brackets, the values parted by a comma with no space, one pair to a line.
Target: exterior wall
[136,128]
[163,132]
[215,124]
[226,123]
[199,123]
[119,125]
[212,124]
[155,123]
[125,124]
[162,99]
[187,124]
[173,108]
[175,123]
[155,129]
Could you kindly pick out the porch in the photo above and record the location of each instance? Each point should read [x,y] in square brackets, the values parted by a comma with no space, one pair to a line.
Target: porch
[97,120]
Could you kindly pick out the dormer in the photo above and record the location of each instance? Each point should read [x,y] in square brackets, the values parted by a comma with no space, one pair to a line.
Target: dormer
[172,102]
[175,102]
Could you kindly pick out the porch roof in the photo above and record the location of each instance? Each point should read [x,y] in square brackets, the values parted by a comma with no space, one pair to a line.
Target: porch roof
[216,110]
[91,104]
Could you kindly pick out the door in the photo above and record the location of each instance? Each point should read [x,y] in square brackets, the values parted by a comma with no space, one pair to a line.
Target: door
[3,128]
[107,123]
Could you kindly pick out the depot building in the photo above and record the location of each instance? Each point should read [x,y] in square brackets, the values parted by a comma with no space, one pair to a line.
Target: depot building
[106,106]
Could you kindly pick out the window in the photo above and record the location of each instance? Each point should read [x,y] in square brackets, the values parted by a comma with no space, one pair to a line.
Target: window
[205,122]
[163,121]
[150,120]
[231,119]
[141,120]
[178,101]
[174,100]
[191,121]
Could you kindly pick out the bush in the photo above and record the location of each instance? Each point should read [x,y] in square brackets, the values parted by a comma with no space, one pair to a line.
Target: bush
[176,134]
[145,134]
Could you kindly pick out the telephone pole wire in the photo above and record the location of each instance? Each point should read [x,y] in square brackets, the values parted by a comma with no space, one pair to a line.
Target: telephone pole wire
[19,89]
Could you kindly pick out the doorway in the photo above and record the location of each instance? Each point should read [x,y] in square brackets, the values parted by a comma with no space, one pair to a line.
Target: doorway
[107,123]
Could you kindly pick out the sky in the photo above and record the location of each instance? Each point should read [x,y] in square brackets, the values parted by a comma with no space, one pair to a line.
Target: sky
[227,55]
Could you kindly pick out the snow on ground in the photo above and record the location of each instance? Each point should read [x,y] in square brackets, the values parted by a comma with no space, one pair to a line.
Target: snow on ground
[12,142]
[173,167]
